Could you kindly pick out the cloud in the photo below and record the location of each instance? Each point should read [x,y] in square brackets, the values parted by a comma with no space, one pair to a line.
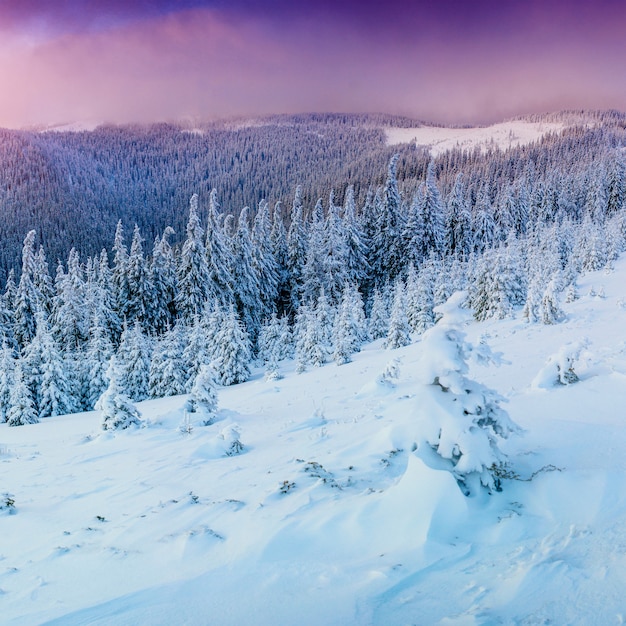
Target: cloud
[215,63]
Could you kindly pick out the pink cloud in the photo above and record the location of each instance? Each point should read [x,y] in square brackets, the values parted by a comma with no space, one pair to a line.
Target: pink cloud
[206,63]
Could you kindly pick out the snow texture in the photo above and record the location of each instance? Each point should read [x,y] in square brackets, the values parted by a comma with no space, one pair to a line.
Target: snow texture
[441,139]
[326,515]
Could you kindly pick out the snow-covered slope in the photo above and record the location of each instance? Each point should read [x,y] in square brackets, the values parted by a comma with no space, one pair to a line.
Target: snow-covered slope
[504,135]
[327,516]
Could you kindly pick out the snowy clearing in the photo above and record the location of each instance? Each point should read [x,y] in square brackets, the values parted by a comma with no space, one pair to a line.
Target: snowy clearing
[504,135]
[328,516]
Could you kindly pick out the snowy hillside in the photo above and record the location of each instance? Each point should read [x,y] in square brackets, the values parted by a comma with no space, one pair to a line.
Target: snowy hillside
[504,135]
[327,516]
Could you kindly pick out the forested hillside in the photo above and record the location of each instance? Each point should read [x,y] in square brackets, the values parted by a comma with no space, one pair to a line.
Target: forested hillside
[313,281]
[73,187]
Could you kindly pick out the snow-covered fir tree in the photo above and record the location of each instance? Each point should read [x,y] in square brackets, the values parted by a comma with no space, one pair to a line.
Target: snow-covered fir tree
[21,404]
[168,370]
[193,271]
[27,297]
[55,393]
[132,362]
[232,350]
[378,322]
[459,420]
[203,399]
[7,376]
[118,411]
[274,345]
[399,332]
[97,357]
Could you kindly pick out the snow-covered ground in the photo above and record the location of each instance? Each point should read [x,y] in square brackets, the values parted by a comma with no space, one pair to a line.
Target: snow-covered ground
[327,516]
[504,135]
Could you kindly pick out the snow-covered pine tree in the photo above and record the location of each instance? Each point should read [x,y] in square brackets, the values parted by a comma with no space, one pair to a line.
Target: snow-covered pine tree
[325,317]
[203,395]
[335,252]
[141,295]
[97,357]
[274,345]
[420,298]
[119,275]
[431,235]
[200,345]
[483,223]
[102,298]
[296,250]
[245,276]
[42,281]
[7,376]
[132,363]
[357,266]
[21,405]
[27,297]
[218,254]
[458,221]
[551,312]
[388,258]
[118,411]
[69,310]
[264,261]
[399,332]
[168,370]
[55,389]
[232,350]
[312,338]
[278,237]
[193,271]
[313,278]
[378,323]
[346,338]
[163,278]
[459,420]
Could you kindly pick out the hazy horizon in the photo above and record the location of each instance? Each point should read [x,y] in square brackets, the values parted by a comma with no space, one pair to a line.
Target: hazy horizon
[442,62]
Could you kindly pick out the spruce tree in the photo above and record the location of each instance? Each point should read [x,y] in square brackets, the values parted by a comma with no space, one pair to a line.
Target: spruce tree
[164,286]
[27,297]
[264,261]
[274,345]
[203,395]
[21,405]
[232,351]
[7,377]
[245,276]
[133,363]
[296,250]
[399,333]
[168,370]
[218,254]
[387,248]
[378,324]
[119,275]
[118,411]
[193,271]
[97,357]
[141,295]
[55,387]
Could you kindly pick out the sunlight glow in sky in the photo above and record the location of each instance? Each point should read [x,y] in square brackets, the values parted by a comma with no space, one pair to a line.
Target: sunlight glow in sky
[450,61]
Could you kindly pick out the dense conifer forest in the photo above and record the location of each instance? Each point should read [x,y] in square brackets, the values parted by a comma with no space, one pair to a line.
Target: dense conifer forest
[152,255]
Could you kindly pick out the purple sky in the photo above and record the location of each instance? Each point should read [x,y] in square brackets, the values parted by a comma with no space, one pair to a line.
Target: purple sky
[440,60]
